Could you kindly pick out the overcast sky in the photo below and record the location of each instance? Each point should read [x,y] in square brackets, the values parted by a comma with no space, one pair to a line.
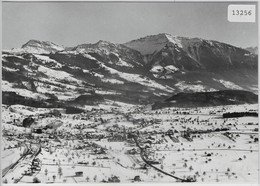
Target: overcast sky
[70,24]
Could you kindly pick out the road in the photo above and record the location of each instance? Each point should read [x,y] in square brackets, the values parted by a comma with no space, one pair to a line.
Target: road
[148,163]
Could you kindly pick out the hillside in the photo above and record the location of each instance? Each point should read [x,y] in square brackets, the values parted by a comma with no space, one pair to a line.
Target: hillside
[208,99]
[194,62]
[142,71]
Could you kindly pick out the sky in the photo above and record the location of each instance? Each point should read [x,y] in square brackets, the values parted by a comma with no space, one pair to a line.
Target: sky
[70,24]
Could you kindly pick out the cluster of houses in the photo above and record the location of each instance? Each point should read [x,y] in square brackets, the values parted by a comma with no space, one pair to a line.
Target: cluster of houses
[34,167]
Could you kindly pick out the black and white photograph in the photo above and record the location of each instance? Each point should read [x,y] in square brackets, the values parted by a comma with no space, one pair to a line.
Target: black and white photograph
[129,92]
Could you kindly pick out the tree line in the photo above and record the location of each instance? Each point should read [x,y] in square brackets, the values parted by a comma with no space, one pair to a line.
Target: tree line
[239,114]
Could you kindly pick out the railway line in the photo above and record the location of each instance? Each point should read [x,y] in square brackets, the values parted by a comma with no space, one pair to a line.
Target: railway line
[29,154]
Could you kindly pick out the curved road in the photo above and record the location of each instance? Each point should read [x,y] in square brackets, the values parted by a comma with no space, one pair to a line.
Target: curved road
[147,162]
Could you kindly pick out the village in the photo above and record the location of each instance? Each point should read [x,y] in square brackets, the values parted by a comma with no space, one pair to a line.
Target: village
[129,143]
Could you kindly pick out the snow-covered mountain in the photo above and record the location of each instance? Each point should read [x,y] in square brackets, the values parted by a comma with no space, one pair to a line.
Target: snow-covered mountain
[110,53]
[38,47]
[140,71]
[190,53]
[190,60]
[149,44]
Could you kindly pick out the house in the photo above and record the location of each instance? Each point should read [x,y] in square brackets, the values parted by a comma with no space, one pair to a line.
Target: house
[114,179]
[169,132]
[38,168]
[79,174]
[137,178]
[37,130]
[132,151]
[99,151]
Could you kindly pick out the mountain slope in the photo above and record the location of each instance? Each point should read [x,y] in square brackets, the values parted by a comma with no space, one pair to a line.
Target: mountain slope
[177,58]
[192,53]
[117,55]
[208,99]
[142,71]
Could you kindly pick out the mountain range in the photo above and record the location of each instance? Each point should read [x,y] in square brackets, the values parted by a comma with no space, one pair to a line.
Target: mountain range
[141,71]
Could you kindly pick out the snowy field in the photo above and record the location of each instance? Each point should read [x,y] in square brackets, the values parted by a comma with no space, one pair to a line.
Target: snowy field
[98,145]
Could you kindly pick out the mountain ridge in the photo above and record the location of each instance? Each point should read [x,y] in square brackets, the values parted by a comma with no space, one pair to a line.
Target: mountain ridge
[119,72]
[38,47]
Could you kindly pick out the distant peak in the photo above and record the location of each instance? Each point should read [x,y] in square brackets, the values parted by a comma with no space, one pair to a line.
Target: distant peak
[157,36]
[36,46]
[33,42]
[101,45]
[104,43]
[153,43]
[165,34]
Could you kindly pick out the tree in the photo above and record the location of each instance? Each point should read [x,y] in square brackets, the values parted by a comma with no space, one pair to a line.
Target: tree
[36,180]
[5,181]
[137,178]
[46,172]
[54,178]
[60,171]
[27,122]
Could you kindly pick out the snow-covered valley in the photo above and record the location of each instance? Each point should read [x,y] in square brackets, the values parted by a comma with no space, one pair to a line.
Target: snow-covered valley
[161,108]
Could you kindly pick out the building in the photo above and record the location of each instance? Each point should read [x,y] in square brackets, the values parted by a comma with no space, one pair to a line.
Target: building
[79,174]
